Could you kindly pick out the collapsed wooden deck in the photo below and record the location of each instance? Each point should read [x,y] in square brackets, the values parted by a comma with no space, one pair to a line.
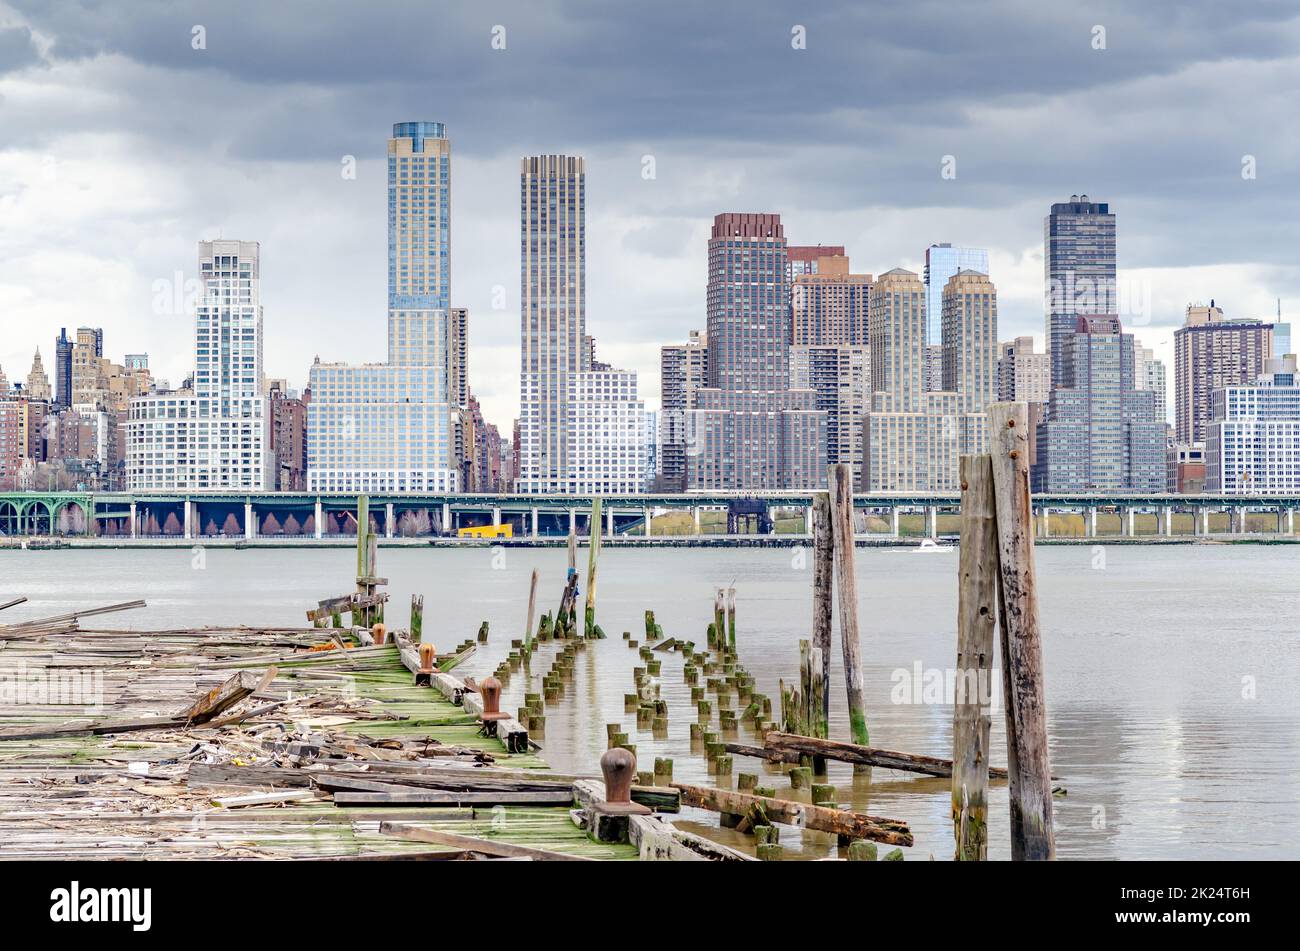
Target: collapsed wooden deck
[309,766]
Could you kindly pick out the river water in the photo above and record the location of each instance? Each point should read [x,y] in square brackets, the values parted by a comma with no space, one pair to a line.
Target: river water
[1174,718]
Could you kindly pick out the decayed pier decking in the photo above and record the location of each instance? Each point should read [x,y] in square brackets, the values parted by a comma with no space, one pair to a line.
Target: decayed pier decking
[330,723]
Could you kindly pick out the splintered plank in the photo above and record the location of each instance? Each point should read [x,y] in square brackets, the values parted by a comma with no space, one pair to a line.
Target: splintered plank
[475,844]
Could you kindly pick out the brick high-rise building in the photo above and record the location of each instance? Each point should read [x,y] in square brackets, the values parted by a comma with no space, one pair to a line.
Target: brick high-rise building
[289,438]
[750,430]
[828,306]
[1210,353]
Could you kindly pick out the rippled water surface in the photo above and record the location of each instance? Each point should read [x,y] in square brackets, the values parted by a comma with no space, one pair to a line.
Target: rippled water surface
[1174,717]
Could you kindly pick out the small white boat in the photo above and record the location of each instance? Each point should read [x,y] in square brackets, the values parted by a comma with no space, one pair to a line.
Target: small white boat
[930,546]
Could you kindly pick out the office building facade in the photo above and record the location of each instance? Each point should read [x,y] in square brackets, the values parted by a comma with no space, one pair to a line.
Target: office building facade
[750,430]
[1252,446]
[1210,353]
[1079,271]
[1100,433]
[393,427]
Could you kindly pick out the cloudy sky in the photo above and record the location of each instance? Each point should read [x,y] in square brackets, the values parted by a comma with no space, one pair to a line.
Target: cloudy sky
[121,145]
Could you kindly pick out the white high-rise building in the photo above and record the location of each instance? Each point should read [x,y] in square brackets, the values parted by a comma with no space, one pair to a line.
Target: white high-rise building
[1149,374]
[581,425]
[1252,444]
[217,435]
[391,427]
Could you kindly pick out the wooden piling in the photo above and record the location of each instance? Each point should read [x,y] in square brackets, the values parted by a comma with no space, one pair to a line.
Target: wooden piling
[532,609]
[417,617]
[1030,797]
[841,496]
[593,555]
[976,616]
[823,579]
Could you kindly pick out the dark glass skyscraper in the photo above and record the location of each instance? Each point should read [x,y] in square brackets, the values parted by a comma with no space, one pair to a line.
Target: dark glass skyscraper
[63,369]
[1079,267]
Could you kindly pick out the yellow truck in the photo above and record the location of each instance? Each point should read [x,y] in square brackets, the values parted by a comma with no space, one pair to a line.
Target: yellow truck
[487,531]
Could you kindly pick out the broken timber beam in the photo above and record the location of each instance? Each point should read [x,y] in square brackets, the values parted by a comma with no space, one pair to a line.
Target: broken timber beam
[226,695]
[855,825]
[792,744]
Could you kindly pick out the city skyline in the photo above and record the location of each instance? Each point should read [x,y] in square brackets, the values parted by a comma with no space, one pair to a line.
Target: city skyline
[271,169]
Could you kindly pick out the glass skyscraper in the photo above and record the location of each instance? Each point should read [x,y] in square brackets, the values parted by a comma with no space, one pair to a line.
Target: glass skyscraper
[1079,270]
[391,427]
[942,261]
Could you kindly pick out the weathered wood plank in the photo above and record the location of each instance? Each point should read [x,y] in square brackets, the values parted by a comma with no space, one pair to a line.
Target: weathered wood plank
[474,843]
[791,745]
[977,575]
[1032,837]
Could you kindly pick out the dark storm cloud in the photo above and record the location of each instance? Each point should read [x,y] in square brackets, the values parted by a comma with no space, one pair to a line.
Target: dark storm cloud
[17,49]
[844,138]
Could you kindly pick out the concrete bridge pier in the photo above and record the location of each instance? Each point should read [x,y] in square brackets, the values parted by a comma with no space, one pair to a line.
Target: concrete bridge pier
[695,513]
[535,532]
[189,519]
[319,519]
[135,522]
[932,521]
[250,526]
[1167,520]
[893,521]
[388,520]
[646,517]
[1090,522]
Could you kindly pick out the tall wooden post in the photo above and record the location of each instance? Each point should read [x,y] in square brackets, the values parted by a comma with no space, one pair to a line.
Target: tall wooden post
[823,578]
[363,617]
[1022,656]
[529,632]
[417,618]
[731,619]
[841,492]
[719,619]
[593,555]
[977,576]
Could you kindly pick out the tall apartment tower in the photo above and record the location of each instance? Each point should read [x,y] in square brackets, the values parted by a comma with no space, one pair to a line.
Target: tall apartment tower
[840,376]
[1150,374]
[942,261]
[553,285]
[216,436]
[913,437]
[63,369]
[750,430]
[970,339]
[806,258]
[1211,353]
[1101,433]
[683,370]
[1079,270]
[392,427]
[1023,374]
[828,305]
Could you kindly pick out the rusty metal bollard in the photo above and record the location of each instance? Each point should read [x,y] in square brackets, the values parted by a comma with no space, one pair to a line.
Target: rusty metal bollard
[490,691]
[424,676]
[379,634]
